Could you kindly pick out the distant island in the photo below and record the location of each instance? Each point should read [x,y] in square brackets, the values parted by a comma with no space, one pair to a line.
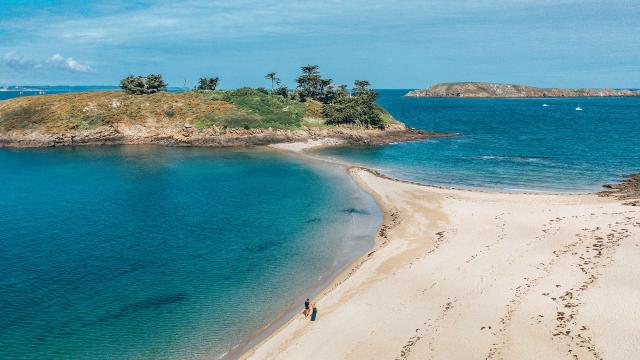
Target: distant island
[496,90]
[143,112]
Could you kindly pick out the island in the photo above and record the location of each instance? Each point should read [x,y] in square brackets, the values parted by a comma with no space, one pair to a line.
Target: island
[497,90]
[143,112]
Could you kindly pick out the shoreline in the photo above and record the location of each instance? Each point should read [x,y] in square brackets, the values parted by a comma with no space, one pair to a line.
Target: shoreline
[285,341]
[390,218]
[187,135]
[329,278]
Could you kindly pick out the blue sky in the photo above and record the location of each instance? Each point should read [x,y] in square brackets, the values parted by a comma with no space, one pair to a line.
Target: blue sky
[393,44]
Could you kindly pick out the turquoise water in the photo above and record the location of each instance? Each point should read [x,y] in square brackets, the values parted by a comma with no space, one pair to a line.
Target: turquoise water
[510,144]
[147,252]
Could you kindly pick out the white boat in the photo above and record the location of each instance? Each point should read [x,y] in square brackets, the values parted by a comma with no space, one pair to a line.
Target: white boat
[578,108]
[545,105]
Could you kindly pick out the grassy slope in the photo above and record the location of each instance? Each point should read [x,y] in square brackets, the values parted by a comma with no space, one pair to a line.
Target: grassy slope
[235,109]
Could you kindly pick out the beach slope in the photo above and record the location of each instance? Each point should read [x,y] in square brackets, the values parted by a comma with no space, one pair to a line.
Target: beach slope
[476,275]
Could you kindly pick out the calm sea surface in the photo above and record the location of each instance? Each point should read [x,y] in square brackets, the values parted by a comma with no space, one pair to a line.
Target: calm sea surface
[136,252]
[510,144]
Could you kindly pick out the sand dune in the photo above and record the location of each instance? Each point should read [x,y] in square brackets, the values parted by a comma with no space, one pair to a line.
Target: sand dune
[475,275]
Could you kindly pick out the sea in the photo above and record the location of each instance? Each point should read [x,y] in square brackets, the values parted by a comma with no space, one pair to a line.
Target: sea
[518,145]
[147,252]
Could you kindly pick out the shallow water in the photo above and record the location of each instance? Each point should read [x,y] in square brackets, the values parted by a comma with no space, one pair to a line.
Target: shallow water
[510,144]
[136,252]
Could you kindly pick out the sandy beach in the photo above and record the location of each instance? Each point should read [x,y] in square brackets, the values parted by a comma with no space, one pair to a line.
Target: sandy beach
[461,274]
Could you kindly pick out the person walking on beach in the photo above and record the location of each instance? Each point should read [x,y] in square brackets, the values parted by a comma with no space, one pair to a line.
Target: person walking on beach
[314,313]
[306,308]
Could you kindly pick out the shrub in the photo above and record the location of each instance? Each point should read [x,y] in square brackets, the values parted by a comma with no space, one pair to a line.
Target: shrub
[358,108]
[140,85]
[134,85]
[229,119]
[352,110]
[314,109]
[281,90]
[273,111]
[208,83]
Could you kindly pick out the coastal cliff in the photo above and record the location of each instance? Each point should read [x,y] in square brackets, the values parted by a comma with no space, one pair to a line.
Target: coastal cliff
[495,90]
[180,119]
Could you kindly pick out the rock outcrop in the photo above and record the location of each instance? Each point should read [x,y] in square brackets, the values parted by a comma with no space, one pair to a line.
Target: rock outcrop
[494,90]
[214,136]
[628,190]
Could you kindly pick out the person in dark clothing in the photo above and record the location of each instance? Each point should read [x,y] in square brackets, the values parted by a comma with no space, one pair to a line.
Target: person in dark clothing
[314,313]
[306,308]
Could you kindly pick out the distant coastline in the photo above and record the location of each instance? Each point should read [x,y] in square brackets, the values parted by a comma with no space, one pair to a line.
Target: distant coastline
[498,90]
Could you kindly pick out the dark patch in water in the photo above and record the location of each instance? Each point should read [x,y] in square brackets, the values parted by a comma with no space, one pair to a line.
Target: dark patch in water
[355,211]
[146,304]
[314,220]
[263,246]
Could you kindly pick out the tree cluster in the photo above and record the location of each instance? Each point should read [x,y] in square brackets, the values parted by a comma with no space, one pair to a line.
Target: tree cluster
[140,85]
[208,83]
[339,106]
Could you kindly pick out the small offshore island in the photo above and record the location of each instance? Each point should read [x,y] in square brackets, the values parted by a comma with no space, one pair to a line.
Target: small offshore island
[496,90]
[144,113]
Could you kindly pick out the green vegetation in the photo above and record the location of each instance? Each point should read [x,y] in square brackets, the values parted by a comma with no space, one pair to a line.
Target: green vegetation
[274,111]
[140,85]
[315,102]
[339,106]
[256,108]
[208,83]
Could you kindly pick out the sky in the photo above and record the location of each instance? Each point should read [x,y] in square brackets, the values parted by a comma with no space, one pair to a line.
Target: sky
[393,44]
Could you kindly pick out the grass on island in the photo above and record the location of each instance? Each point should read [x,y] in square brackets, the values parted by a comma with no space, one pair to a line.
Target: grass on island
[243,108]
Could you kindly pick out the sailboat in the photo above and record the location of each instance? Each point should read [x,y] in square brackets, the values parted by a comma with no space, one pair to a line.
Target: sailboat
[578,108]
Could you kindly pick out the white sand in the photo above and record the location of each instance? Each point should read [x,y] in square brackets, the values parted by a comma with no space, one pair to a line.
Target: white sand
[476,275]
[298,147]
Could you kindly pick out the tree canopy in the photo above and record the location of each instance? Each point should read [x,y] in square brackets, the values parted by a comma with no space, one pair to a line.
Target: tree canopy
[357,108]
[208,83]
[274,79]
[311,84]
[140,85]
[339,105]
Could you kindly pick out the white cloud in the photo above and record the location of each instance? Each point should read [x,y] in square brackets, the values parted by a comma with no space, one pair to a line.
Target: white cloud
[55,62]
[19,62]
[59,61]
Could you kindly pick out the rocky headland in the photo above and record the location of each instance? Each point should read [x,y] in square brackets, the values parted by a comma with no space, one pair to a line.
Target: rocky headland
[495,90]
[179,119]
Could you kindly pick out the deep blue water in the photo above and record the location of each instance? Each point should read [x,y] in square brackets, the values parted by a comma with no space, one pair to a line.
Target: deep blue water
[12,92]
[137,252]
[510,144]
